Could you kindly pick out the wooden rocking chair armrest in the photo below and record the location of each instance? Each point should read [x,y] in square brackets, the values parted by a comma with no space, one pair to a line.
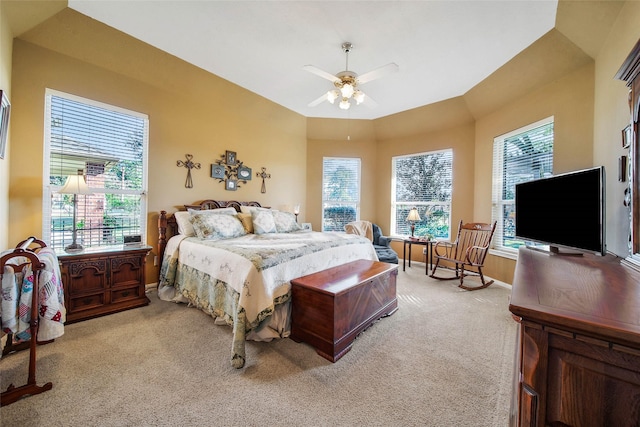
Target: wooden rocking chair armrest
[477,253]
[447,247]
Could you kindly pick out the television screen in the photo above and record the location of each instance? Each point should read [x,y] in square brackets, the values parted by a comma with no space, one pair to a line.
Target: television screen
[563,210]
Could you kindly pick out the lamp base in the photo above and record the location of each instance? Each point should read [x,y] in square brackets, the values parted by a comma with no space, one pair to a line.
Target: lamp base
[74,247]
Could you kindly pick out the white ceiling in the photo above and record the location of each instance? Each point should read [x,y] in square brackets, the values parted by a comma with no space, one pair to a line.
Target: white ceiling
[442,48]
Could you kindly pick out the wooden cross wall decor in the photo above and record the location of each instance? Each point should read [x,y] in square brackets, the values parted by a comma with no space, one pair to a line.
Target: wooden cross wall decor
[189,164]
[264,175]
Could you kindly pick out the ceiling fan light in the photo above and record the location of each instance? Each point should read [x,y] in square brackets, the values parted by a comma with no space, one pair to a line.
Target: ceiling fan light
[344,104]
[332,95]
[347,90]
[358,96]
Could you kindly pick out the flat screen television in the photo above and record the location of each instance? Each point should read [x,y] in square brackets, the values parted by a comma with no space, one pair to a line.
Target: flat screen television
[563,211]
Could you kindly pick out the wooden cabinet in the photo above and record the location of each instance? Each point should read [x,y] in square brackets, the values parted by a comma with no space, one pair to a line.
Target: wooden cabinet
[103,281]
[578,353]
[330,308]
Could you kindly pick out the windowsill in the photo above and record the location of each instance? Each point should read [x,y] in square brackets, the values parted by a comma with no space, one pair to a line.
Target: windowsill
[504,254]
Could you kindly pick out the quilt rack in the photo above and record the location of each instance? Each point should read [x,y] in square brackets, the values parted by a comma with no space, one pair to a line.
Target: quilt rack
[24,250]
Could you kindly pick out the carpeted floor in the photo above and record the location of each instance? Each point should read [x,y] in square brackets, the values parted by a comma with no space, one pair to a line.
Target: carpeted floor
[445,358]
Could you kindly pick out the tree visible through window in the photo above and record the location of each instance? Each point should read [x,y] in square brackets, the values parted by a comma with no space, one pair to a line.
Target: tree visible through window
[423,181]
[340,192]
[519,156]
[107,145]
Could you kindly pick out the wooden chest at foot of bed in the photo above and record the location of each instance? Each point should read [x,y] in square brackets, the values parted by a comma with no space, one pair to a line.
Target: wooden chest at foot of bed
[330,308]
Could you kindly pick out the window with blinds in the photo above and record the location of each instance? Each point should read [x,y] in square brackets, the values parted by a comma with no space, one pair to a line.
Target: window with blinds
[340,192]
[423,181]
[519,156]
[108,146]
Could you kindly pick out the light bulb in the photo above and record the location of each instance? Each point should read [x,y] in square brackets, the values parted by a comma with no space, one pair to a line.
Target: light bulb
[358,96]
[332,95]
[347,90]
[344,104]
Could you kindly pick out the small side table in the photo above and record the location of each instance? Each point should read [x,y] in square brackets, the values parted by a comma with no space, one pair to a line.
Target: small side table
[413,241]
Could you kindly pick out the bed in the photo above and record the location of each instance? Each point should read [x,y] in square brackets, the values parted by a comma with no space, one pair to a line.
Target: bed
[242,279]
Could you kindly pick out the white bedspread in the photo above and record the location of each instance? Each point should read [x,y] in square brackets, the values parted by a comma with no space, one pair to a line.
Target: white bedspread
[244,279]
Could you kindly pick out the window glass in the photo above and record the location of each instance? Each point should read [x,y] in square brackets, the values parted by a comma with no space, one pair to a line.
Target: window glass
[340,192]
[423,181]
[519,156]
[108,146]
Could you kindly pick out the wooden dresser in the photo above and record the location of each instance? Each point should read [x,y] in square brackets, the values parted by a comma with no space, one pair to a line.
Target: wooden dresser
[578,353]
[103,281]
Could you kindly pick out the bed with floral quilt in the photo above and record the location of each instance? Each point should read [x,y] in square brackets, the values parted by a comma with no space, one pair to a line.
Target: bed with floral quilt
[235,262]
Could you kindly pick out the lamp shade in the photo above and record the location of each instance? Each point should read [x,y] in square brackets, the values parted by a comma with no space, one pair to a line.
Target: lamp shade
[75,185]
[413,215]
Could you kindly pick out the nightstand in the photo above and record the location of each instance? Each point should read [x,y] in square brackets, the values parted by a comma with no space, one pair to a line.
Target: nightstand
[100,281]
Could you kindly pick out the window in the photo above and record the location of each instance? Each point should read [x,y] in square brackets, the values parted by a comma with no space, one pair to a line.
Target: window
[519,156]
[106,144]
[423,181]
[340,192]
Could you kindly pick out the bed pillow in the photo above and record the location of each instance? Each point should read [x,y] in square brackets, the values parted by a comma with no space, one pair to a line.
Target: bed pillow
[285,222]
[247,222]
[263,222]
[212,225]
[247,209]
[229,210]
[183,219]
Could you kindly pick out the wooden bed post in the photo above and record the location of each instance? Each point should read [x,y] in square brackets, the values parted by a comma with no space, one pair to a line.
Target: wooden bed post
[162,238]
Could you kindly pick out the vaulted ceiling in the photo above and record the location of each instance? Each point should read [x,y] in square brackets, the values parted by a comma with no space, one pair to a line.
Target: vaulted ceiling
[443,49]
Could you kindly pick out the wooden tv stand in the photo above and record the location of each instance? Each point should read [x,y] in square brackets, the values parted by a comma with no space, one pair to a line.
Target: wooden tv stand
[578,352]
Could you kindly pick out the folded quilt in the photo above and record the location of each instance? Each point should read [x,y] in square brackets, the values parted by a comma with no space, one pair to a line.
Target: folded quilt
[17,293]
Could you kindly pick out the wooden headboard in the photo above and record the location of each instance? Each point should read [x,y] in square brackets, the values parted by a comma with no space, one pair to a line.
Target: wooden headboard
[169,222]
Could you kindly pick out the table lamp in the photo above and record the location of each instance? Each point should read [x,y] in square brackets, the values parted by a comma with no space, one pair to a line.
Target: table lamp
[75,185]
[296,211]
[412,218]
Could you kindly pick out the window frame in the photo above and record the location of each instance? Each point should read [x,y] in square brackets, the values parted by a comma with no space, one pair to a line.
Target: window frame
[49,189]
[341,202]
[394,203]
[497,186]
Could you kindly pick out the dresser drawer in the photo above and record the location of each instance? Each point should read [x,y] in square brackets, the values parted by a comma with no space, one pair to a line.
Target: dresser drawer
[86,302]
[126,294]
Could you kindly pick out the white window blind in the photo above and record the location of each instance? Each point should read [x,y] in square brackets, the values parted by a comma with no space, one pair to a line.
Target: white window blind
[519,156]
[423,181]
[340,192]
[106,144]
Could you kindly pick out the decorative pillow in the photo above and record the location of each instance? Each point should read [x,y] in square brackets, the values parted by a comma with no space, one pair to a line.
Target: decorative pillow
[210,225]
[247,209]
[229,210]
[263,222]
[247,222]
[183,219]
[285,222]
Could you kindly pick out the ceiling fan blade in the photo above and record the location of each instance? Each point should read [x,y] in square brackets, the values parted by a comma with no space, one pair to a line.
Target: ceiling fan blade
[368,102]
[318,101]
[318,72]
[377,73]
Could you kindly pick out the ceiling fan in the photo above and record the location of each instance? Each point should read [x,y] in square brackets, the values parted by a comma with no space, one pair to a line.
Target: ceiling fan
[347,82]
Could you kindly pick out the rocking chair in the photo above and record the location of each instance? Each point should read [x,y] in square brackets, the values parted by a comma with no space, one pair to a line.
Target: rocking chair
[469,250]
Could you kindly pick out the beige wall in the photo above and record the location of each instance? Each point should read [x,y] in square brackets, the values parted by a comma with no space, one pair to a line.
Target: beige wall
[570,101]
[190,111]
[340,138]
[194,112]
[6,49]
[612,114]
